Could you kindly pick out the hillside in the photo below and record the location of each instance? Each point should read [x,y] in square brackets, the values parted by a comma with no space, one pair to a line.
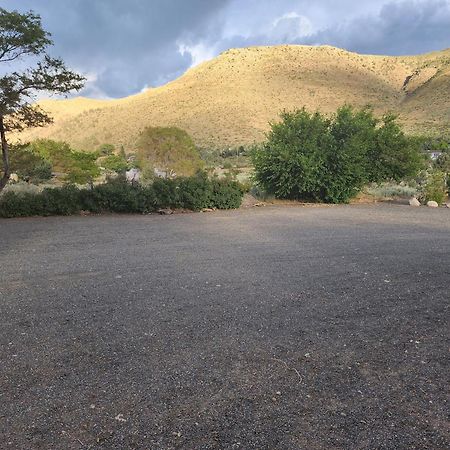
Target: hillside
[229,100]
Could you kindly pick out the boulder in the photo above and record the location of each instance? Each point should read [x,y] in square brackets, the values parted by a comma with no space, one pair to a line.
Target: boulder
[133,175]
[414,202]
[432,204]
[165,212]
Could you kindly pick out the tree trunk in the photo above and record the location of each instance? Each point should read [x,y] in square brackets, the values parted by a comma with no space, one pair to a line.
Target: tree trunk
[5,155]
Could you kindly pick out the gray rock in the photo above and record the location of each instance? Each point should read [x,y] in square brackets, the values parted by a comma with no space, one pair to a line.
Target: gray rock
[414,202]
[432,204]
[165,212]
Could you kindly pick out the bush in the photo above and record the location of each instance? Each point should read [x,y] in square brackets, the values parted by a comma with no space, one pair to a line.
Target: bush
[194,193]
[391,190]
[14,204]
[60,202]
[435,187]
[118,196]
[226,194]
[166,193]
[310,157]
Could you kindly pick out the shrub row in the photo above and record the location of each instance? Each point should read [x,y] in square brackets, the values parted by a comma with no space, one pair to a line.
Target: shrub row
[193,193]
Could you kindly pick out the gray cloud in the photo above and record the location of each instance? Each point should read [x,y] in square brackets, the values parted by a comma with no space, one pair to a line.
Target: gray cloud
[125,45]
[409,27]
[399,28]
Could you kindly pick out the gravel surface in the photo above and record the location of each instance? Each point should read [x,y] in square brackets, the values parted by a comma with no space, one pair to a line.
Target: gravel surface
[269,328]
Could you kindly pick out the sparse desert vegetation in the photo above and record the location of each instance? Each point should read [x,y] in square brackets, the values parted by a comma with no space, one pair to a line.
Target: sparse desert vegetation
[230,100]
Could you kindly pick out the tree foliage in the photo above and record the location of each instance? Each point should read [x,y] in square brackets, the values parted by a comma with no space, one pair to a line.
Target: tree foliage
[168,149]
[75,166]
[114,163]
[22,36]
[312,157]
[28,164]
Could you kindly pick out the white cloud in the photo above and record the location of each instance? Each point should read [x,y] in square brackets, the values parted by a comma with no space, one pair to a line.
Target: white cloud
[198,53]
[291,26]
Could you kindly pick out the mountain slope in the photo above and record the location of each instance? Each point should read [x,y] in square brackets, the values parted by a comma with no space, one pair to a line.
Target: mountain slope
[230,100]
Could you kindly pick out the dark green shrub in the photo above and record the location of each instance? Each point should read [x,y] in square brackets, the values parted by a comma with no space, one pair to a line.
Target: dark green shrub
[119,196]
[194,193]
[148,199]
[166,193]
[61,201]
[392,155]
[310,157]
[21,205]
[226,194]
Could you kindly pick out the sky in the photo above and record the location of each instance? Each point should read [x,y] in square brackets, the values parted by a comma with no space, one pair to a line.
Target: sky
[126,46]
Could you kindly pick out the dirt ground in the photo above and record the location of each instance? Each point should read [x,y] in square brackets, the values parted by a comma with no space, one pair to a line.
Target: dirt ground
[262,328]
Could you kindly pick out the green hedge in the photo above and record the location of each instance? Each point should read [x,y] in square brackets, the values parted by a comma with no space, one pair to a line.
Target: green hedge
[193,193]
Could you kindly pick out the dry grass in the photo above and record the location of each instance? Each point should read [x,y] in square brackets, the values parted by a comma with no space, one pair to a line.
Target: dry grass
[230,100]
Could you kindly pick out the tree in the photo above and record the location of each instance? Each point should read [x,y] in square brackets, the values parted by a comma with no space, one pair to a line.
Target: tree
[28,164]
[169,149]
[394,155]
[22,36]
[76,166]
[312,157]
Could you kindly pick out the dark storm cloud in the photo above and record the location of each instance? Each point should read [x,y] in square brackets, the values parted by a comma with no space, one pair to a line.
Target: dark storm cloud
[123,45]
[399,29]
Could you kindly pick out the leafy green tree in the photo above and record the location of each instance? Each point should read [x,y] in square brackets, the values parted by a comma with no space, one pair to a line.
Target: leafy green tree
[311,157]
[77,167]
[168,149]
[290,163]
[115,163]
[28,164]
[21,36]
[393,155]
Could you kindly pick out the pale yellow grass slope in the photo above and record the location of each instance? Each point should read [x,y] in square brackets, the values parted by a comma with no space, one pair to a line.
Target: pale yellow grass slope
[230,100]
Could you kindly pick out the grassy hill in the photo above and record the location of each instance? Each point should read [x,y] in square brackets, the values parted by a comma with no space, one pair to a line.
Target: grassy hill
[229,100]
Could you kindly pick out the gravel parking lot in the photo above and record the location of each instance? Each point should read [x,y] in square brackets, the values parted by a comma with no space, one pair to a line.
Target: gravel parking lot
[269,328]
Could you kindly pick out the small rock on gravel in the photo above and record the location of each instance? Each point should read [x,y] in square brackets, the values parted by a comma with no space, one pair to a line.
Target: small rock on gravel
[165,212]
[432,204]
[414,202]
